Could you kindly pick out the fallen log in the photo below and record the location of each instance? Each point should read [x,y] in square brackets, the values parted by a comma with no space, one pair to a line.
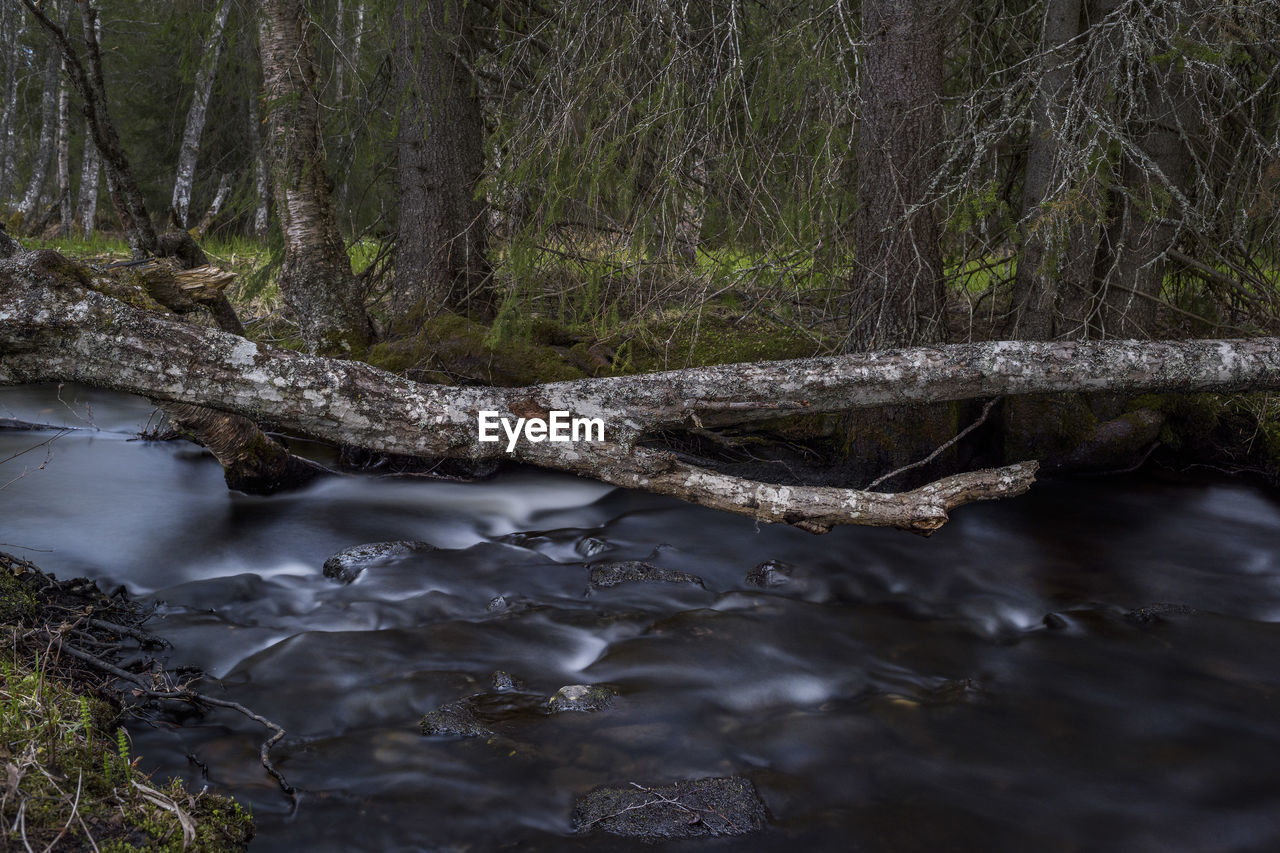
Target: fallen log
[53,328]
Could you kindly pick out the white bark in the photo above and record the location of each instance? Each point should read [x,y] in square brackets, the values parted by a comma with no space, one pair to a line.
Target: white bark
[219,198]
[64,160]
[90,174]
[190,153]
[48,128]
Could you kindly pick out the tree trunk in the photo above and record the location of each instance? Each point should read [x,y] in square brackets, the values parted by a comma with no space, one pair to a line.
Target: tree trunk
[261,179]
[340,47]
[316,278]
[441,261]
[90,172]
[48,134]
[187,157]
[54,329]
[1148,211]
[215,207]
[897,294]
[11,27]
[1044,273]
[64,161]
[898,297]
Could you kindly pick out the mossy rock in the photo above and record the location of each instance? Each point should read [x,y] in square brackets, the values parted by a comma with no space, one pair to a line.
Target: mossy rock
[613,573]
[580,697]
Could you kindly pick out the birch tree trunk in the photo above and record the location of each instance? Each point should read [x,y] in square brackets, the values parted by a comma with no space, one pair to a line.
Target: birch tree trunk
[441,261]
[90,173]
[190,152]
[261,177]
[316,278]
[215,207]
[64,160]
[48,134]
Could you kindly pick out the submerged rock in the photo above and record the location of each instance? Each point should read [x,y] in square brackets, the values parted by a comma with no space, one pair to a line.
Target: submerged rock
[458,719]
[580,697]
[346,565]
[606,575]
[699,808]
[1157,613]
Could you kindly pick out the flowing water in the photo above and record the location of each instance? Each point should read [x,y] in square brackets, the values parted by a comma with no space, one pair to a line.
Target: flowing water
[896,694]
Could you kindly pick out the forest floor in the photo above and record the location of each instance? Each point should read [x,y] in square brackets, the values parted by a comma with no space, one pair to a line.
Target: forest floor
[69,781]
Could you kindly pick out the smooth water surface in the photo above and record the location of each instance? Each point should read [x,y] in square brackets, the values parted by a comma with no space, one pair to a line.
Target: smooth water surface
[898,694]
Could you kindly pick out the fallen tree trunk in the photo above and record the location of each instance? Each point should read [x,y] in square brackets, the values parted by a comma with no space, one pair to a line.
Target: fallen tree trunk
[52,328]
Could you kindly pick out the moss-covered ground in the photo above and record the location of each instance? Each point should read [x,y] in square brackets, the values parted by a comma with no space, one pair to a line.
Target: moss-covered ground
[69,778]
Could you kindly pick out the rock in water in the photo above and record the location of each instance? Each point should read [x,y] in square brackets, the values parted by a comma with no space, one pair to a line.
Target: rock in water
[504,681]
[458,719]
[771,573]
[605,575]
[580,697]
[699,808]
[346,565]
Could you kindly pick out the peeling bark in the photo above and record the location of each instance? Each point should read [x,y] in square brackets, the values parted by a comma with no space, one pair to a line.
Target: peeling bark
[315,278]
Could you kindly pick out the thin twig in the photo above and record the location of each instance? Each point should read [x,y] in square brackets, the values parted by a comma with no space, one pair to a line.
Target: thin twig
[986,410]
[184,694]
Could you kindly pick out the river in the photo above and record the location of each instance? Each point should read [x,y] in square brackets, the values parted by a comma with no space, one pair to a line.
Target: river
[994,687]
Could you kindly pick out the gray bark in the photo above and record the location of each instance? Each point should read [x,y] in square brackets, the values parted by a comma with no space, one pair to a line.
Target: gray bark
[52,328]
[48,133]
[897,296]
[190,153]
[441,261]
[1044,273]
[315,279]
[1148,211]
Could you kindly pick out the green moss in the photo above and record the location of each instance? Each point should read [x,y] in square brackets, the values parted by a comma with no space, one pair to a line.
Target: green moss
[450,347]
[71,774]
[671,342]
[18,606]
